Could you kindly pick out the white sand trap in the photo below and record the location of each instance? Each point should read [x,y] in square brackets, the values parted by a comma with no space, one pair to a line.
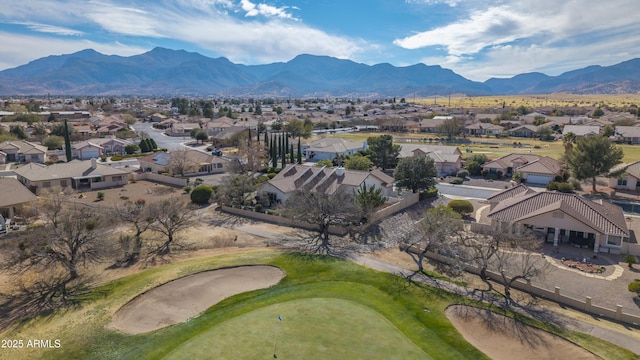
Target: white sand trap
[185,298]
[500,337]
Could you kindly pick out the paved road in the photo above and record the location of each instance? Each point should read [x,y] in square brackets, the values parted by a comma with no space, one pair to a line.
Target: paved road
[162,140]
[465,191]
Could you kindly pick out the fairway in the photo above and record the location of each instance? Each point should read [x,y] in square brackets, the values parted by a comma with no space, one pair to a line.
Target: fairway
[316,328]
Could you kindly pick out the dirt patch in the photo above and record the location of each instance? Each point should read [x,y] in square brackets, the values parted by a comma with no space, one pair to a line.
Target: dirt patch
[500,337]
[185,298]
[132,191]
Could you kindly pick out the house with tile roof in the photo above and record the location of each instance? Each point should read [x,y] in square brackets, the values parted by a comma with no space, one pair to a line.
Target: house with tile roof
[526,131]
[14,196]
[447,159]
[328,148]
[534,169]
[22,151]
[94,148]
[625,176]
[479,129]
[79,175]
[327,180]
[562,218]
[192,162]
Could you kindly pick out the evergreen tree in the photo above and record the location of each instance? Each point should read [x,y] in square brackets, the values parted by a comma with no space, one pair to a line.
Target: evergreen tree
[291,161]
[299,152]
[67,142]
[144,147]
[152,144]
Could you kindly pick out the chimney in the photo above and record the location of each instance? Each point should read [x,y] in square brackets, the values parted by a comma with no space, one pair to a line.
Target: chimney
[340,171]
[94,163]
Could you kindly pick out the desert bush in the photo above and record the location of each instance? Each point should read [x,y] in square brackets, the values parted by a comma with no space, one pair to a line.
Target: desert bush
[429,193]
[201,194]
[635,287]
[456,180]
[462,174]
[462,207]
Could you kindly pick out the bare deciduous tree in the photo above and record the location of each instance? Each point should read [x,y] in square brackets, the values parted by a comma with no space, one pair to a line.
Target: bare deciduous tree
[512,255]
[136,214]
[324,211]
[170,216]
[180,163]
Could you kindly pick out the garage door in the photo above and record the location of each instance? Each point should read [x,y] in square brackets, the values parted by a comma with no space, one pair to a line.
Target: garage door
[90,153]
[538,179]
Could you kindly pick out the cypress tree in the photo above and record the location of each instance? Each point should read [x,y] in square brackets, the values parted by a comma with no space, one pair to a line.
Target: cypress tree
[299,152]
[274,154]
[286,141]
[67,142]
[152,144]
[291,161]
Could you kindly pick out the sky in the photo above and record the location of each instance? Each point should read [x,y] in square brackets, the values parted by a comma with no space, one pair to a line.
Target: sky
[477,39]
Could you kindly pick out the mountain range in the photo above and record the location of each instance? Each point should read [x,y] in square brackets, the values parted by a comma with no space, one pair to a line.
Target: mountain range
[165,72]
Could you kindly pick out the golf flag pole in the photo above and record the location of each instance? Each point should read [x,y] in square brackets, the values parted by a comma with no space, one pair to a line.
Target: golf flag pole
[275,343]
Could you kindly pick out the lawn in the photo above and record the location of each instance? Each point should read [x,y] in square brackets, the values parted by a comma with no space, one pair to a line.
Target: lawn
[330,308]
[495,148]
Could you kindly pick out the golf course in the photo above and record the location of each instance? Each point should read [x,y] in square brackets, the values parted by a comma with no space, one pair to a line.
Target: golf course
[287,305]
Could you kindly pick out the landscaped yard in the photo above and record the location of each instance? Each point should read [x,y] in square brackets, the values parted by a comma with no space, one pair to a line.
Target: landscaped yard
[330,308]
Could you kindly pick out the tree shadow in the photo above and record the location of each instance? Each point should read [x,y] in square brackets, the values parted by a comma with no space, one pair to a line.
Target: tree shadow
[42,298]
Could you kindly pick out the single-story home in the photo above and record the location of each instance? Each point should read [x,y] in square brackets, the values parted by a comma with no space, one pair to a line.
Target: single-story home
[562,218]
[94,148]
[328,148]
[184,162]
[479,128]
[79,175]
[581,130]
[181,129]
[534,169]
[322,179]
[22,151]
[14,195]
[526,131]
[447,159]
[628,178]
[628,134]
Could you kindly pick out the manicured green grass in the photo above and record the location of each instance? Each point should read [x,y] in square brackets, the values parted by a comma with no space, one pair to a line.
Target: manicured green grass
[331,308]
[315,328]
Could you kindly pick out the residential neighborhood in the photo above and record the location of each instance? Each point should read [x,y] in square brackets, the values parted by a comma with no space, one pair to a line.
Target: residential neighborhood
[308,169]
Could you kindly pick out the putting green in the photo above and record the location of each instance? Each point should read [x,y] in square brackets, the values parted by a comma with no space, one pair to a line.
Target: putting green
[314,328]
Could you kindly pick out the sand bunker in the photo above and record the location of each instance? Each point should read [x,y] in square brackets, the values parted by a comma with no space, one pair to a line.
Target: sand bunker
[185,298]
[500,337]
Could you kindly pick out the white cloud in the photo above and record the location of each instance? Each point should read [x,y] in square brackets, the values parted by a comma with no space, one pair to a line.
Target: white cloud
[508,37]
[51,29]
[252,9]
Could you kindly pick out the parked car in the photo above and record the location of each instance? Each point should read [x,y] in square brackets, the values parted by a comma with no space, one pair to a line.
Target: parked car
[216,152]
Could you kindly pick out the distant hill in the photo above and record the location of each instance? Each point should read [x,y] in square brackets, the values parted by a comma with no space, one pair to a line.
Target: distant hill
[178,72]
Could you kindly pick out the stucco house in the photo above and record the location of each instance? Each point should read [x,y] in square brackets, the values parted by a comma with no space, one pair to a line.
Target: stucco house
[79,175]
[581,130]
[14,196]
[22,151]
[628,134]
[562,218]
[322,179]
[94,148]
[627,176]
[187,163]
[447,159]
[479,129]
[526,131]
[534,169]
[328,148]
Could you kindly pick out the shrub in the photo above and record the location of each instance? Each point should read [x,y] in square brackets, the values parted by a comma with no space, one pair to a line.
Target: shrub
[271,175]
[100,195]
[456,180]
[201,194]
[429,193]
[186,189]
[462,207]
[635,287]
[577,185]
[491,176]
[565,187]
[630,260]
[462,174]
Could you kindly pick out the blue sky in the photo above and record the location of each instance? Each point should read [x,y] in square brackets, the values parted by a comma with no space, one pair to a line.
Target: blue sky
[477,39]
